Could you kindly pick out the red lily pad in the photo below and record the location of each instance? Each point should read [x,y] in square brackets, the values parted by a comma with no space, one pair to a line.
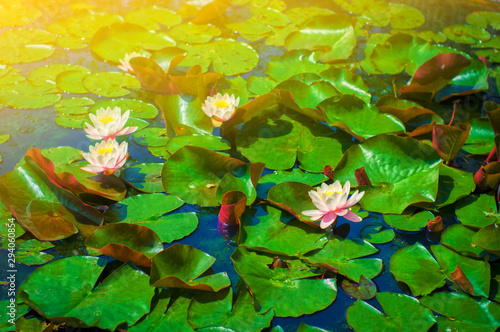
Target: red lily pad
[365,289]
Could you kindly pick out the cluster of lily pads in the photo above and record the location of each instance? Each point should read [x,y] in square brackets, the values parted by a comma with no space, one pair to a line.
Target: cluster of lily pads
[267,109]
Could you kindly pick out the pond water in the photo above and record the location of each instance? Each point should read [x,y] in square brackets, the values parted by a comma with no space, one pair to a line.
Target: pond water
[279,54]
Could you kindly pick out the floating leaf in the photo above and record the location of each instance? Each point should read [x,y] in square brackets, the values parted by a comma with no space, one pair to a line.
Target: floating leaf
[233,204]
[358,118]
[448,140]
[293,293]
[264,142]
[364,290]
[48,74]
[194,33]
[295,175]
[299,15]
[182,266]
[410,180]
[347,82]
[151,136]
[454,184]
[30,252]
[488,238]
[482,19]
[409,220]
[466,34]
[17,15]
[151,17]
[74,105]
[340,257]
[227,56]
[376,233]
[332,36]
[205,141]
[243,178]
[138,108]
[459,238]
[405,17]
[402,312]
[145,177]
[110,84]
[194,174]
[477,211]
[113,42]
[25,45]
[71,81]
[23,95]
[72,121]
[85,24]
[415,266]
[294,62]
[126,291]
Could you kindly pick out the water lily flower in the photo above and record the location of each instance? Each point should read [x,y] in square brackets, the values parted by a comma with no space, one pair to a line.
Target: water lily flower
[108,123]
[125,62]
[106,156]
[220,108]
[331,201]
[198,3]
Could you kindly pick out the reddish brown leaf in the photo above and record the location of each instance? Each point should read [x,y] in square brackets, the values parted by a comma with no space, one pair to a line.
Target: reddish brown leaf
[232,207]
[448,140]
[214,11]
[362,177]
[364,290]
[461,280]
[435,225]
[493,111]
[488,176]
[328,172]
[151,75]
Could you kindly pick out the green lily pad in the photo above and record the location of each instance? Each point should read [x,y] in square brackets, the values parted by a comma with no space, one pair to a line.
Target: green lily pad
[465,311]
[268,233]
[488,238]
[151,18]
[31,252]
[332,36]
[151,136]
[466,34]
[409,220]
[477,211]
[74,105]
[194,33]
[364,290]
[225,55]
[301,135]
[482,19]
[402,312]
[194,174]
[411,180]
[122,297]
[48,74]
[145,177]
[376,233]
[347,82]
[205,141]
[76,121]
[341,257]
[476,271]
[18,14]
[293,295]
[294,62]
[260,84]
[299,15]
[405,17]
[173,226]
[432,36]
[454,184]
[182,266]
[10,75]
[459,238]
[138,108]
[70,42]
[126,242]
[358,118]
[243,178]
[295,175]
[23,95]
[25,45]
[113,42]
[85,24]
[71,81]
[110,84]
[415,266]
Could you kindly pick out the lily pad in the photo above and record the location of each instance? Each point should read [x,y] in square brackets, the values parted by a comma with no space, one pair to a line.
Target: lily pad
[410,180]
[347,82]
[299,15]
[84,24]
[18,14]
[264,142]
[294,62]
[477,211]
[483,19]
[74,105]
[71,81]
[268,233]
[376,233]
[194,174]
[465,311]
[409,220]
[358,118]
[488,238]
[405,17]
[151,136]
[25,45]
[205,141]
[466,34]
[194,33]
[415,266]
[244,179]
[138,108]
[76,121]
[145,177]
[126,242]
[113,42]
[454,184]
[48,74]
[293,295]
[402,312]
[225,55]
[182,266]
[295,175]
[332,36]
[151,18]
[459,238]
[110,84]
[31,252]
[364,290]
[23,95]
[126,291]
[342,257]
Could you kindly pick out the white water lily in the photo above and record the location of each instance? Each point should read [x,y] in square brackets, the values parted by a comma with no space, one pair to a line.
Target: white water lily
[331,201]
[108,123]
[220,108]
[125,62]
[106,156]
[198,3]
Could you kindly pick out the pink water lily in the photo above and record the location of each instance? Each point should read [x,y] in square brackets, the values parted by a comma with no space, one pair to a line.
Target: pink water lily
[220,107]
[108,123]
[331,201]
[106,156]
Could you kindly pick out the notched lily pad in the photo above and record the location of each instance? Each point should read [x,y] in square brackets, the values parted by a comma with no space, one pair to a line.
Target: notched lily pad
[110,84]
[377,233]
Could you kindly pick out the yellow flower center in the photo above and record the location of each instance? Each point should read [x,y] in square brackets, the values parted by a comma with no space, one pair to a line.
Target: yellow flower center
[221,103]
[107,119]
[105,150]
[331,192]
